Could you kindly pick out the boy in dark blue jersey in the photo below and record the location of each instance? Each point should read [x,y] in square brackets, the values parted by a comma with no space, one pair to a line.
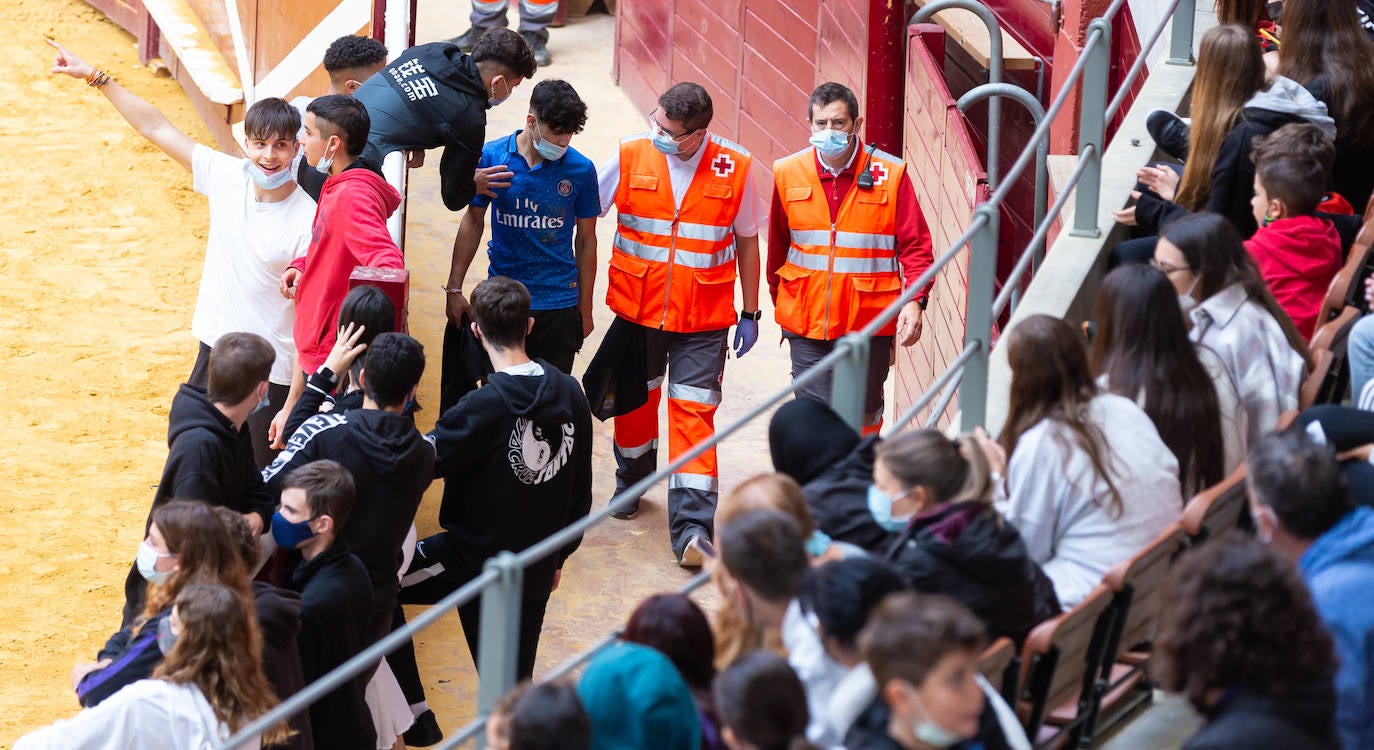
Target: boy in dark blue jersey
[543,235]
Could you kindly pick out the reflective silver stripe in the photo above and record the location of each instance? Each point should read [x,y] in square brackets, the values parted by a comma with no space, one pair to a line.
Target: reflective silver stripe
[873,417]
[699,482]
[807,260]
[705,260]
[635,451]
[641,250]
[840,265]
[679,392]
[489,6]
[865,265]
[646,224]
[537,9]
[811,236]
[864,240]
[704,232]
[727,143]
[656,383]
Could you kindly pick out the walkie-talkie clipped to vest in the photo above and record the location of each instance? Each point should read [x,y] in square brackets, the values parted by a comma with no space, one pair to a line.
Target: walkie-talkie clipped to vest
[865,178]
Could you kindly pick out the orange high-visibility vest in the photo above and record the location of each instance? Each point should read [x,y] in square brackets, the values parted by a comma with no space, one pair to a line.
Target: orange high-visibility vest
[674,268]
[838,276]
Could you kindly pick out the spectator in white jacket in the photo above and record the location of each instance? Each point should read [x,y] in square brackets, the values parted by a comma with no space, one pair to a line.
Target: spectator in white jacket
[1234,314]
[209,686]
[1089,482]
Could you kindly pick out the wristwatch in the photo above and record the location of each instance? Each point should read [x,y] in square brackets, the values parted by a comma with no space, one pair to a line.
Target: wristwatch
[756,315]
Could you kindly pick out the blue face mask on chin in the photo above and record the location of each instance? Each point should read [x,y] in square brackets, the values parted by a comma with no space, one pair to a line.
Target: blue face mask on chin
[548,151]
[831,143]
[269,181]
[289,535]
[880,506]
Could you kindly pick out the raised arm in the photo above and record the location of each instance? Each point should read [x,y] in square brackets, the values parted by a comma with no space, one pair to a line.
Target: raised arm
[146,119]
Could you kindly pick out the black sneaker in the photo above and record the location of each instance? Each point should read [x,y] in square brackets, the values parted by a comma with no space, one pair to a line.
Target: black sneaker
[424,732]
[538,47]
[1169,131]
[467,41]
[625,514]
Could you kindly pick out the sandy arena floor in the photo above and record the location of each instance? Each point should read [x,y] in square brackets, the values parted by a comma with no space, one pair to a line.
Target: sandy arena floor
[100,257]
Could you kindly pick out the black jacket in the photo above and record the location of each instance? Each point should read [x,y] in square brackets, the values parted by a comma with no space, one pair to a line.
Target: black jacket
[391,466]
[810,443]
[1352,175]
[1233,176]
[455,117]
[869,731]
[133,653]
[517,458]
[318,390]
[1249,720]
[279,620]
[336,605]
[207,459]
[961,550]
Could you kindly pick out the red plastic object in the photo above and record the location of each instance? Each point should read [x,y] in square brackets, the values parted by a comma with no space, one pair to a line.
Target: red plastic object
[395,282]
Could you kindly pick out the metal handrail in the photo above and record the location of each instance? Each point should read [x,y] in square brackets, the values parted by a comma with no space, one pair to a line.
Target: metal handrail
[970,369]
[1145,49]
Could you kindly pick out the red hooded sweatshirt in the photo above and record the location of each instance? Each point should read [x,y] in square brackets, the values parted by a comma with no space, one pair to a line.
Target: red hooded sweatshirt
[349,230]
[1298,257]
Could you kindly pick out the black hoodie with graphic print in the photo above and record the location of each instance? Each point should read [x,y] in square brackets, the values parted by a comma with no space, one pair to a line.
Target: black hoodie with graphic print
[516,455]
[391,466]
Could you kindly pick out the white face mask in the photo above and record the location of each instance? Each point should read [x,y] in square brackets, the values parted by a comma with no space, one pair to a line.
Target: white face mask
[269,181]
[146,560]
[927,731]
[1186,301]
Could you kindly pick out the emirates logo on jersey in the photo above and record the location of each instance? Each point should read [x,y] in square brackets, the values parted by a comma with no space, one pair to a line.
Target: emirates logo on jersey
[723,166]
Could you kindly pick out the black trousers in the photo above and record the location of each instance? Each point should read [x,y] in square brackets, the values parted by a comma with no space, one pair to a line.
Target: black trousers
[432,576]
[1346,427]
[556,339]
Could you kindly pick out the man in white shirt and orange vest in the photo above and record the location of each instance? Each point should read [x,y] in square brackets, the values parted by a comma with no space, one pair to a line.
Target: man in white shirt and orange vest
[845,234]
[688,218]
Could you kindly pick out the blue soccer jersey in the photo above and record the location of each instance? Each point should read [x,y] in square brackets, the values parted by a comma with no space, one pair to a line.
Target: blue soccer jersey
[532,221]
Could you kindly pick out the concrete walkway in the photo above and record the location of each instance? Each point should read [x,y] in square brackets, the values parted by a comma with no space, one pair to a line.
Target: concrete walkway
[620,562]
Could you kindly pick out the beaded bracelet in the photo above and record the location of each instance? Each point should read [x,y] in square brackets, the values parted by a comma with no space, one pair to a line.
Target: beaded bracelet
[97,78]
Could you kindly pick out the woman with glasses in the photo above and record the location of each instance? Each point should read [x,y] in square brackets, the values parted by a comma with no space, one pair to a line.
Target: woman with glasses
[1233,313]
[1141,351]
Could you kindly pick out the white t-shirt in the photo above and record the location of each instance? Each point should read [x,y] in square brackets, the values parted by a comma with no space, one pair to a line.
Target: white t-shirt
[147,713]
[752,216]
[249,246]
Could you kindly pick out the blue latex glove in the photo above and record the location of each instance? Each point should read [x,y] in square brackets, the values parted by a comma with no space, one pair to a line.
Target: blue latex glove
[746,335]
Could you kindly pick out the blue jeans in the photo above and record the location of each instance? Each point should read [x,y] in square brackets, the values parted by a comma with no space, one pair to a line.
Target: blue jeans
[1360,351]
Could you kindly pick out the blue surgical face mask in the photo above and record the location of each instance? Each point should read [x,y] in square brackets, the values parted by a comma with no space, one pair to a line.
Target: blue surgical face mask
[269,181]
[492,101]
[325,163]
[290,535]
[146,561]
[166,639]
[263,404]
[550,151]
[818,543]
[665,144]
[831,143]
[880,505]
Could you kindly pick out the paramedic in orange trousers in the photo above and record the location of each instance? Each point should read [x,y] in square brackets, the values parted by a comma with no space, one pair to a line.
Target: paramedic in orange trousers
[688,218]
[844,234]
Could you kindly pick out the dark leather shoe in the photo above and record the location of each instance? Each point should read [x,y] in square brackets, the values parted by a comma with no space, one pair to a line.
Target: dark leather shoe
[1170,133]
[424,732]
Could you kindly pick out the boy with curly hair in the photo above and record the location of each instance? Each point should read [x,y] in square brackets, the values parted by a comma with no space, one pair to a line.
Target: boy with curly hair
[543,234]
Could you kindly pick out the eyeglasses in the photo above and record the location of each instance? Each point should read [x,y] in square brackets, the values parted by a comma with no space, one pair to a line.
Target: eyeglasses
[1165,268]
[657,128]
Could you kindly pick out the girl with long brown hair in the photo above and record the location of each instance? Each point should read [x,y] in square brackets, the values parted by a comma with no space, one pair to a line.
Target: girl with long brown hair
[1326,50]
[1231,105]
[1141,351]
[1234,314]
[1088,481]
[210,686]
[186,544]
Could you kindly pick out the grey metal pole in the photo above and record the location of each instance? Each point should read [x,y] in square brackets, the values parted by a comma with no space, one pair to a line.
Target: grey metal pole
[995,67]
[498,650]
[982,274]
[1092,125]
[849,384]
[1181,36]
[1042,154]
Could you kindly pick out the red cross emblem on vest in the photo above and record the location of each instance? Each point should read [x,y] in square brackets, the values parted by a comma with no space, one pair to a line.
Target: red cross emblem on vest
[723,166]
[879,173]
